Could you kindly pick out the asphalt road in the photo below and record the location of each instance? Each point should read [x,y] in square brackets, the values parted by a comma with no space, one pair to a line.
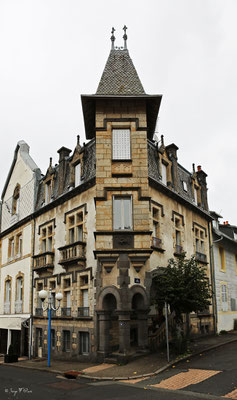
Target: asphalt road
[204,377]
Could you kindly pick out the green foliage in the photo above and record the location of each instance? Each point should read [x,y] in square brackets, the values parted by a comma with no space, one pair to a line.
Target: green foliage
[183,284]
[223,332]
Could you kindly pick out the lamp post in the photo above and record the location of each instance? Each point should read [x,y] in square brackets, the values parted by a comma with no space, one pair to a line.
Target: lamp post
[43,295]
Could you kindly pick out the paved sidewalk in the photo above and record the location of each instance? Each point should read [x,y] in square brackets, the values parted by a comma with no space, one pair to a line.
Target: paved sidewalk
[147,365]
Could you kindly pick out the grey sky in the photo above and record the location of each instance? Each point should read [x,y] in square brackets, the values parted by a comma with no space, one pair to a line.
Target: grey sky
[52,51]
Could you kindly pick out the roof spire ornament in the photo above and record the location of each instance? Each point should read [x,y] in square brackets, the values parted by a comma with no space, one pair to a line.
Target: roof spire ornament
[112,39]
[125,37]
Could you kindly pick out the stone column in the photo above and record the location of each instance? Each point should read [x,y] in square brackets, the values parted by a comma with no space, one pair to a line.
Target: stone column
[103,327]
[124,331]
[142,329]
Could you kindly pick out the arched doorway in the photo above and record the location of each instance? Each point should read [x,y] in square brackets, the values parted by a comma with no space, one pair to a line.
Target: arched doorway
[139,326]
[109,305]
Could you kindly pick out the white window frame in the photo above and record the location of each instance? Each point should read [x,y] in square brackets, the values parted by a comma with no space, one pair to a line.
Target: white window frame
[122,215]
[164,173]
[77,170]
[224,297]
[121,144]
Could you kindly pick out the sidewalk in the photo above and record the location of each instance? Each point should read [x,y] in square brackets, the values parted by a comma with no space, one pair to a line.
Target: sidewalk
[147,365]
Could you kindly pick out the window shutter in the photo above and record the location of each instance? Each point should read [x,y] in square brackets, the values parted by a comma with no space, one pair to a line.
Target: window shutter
[121,144]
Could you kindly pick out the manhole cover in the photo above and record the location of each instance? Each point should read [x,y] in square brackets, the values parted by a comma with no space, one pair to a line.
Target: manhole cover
[66,385]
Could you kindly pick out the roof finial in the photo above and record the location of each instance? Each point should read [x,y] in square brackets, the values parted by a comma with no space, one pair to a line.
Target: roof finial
[112,38]
[125,37]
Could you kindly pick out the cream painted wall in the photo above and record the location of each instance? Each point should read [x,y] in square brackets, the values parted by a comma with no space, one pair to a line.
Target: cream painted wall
[12,270]
[229,277]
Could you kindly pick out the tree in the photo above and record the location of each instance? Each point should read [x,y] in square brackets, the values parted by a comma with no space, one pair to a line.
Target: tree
[184,285]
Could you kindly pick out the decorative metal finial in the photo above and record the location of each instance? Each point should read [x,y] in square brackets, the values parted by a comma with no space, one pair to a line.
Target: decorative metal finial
[112,39]
[125,37]
[78,139]
[50,161]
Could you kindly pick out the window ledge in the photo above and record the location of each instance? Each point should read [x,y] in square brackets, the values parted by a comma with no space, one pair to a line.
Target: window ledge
[122,160]
[158,249]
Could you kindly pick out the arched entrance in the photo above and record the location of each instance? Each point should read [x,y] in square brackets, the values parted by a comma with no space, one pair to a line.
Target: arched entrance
[139,325]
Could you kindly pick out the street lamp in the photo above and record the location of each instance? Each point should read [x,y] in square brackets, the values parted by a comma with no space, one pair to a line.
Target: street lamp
[43,295]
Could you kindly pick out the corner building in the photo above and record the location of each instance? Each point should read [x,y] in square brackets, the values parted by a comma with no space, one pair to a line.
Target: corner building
[109,214]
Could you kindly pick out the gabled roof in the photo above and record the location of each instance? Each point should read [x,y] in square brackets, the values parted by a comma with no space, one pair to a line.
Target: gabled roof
[120,76]
[24,148]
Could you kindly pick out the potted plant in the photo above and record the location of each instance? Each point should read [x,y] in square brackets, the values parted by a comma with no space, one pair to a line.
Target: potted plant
[10,357]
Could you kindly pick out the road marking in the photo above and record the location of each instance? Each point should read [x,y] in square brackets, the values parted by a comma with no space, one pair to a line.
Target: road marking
[133,381]
[183,379]
[232,395]
[97,368]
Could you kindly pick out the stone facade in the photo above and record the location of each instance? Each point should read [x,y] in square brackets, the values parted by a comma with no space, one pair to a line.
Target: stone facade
[105,217]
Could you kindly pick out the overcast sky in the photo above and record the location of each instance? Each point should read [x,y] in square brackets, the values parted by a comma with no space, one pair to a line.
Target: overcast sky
[52,51]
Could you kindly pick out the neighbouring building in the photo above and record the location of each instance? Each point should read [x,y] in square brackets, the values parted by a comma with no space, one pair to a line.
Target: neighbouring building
[225,261]
[106,216]
[18,203]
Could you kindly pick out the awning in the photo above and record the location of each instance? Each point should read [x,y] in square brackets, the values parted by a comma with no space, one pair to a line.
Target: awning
[13,322]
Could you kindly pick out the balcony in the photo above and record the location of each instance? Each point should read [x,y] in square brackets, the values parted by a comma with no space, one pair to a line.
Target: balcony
[157,244]
[44,261]
[53,313]
[39,312]
[66,312]
[72,253]
[18,306]
[83,312]
[7,308]
[201,257]
[178,250]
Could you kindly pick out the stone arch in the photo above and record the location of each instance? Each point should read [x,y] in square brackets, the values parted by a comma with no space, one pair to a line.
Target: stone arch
[138,296]
[109,291]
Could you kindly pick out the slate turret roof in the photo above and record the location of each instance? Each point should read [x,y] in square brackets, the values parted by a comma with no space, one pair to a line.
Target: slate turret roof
[120,76]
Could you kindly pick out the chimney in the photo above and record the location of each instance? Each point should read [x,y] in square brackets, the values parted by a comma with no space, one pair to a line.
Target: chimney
[201,176]
[63,154]
[171,150]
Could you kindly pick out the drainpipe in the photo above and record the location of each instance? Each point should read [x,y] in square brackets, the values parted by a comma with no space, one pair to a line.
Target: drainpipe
[213,280]
[32,295]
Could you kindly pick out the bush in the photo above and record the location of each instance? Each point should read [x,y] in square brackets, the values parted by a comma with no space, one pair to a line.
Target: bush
[223,332]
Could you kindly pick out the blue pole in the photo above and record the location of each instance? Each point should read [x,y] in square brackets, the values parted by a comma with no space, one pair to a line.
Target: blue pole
[49,336]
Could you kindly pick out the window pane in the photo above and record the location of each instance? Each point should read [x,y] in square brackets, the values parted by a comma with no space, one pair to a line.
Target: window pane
[77,174]
[80,233]
[121,144]
[117,214]
[164,173]
[127,213]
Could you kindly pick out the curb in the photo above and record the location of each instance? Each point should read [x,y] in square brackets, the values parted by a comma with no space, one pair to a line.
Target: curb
[116,378]
[158,371]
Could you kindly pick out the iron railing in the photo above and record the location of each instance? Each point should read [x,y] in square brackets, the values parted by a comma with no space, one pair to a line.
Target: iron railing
[66,312]
[83,312]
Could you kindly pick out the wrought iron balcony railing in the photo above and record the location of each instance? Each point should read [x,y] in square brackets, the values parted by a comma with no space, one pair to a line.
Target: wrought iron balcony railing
[18,306]
[201,257]
[83,312]
[39,312]
[156,242]
[7,308]
[178,249]
[66,312]
[72,252]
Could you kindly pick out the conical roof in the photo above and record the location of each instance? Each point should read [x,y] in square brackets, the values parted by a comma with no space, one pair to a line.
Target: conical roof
[120,76]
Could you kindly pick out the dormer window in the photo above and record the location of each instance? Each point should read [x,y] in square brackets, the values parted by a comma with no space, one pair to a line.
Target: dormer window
[48,192]
[121,144]
[195,196]
[77,174]
[15,200]
[185,186]
[163,173]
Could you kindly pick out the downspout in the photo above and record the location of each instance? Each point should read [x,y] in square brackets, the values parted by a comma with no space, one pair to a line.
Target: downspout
[213,280]
[32,294]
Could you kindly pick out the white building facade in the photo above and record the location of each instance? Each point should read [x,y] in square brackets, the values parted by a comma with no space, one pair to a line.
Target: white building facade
[18,199]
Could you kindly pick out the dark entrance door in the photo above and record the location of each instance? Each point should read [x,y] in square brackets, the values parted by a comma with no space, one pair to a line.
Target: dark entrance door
[3,341]
[16,341]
